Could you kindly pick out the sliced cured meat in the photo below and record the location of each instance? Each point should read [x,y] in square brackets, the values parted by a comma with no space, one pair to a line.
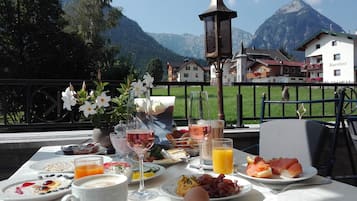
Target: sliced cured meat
[258,168]
[293,171]
[280,164]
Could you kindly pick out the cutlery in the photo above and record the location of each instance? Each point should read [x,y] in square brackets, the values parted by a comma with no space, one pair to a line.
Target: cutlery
[275,189]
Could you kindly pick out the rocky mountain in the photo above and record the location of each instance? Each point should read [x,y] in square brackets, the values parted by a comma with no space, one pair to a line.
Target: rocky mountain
[137,44]
[290,26]
[133,41]
[193,46]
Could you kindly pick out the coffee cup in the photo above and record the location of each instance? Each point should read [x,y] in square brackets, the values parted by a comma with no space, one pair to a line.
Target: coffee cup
[103,187]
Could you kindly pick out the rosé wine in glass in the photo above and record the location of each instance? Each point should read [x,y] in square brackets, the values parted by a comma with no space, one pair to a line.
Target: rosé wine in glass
[198,131]
[140,140]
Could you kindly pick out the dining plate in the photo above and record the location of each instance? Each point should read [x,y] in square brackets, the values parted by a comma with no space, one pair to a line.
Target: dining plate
[36,188]
[308,172]
[158,170]
[169,188]
[61,164]
[166,161]
[99,150]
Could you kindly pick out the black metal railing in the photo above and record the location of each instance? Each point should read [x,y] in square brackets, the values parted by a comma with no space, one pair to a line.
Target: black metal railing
[300,93]
[27,105]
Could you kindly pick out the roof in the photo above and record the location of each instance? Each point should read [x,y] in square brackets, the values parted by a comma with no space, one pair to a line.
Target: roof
[189,62]
[254,53]
[318,35]
[279,63]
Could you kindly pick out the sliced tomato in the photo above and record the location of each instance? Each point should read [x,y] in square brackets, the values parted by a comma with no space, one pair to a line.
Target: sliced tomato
[116,163]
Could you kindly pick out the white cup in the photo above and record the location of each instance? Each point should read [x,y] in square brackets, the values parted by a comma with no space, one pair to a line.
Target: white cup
[104,187]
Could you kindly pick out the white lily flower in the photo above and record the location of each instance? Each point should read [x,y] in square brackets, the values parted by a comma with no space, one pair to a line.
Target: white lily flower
[91,93]
[103,100]
[88,109]
[68,99]
[138,88]
[148,80]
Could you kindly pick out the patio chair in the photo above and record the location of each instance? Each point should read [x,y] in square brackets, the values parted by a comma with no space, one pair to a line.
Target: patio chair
[348,117]
[328,157]
[297,138]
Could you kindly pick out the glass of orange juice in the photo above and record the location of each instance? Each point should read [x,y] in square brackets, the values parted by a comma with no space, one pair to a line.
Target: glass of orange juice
[88,165]
[222,155]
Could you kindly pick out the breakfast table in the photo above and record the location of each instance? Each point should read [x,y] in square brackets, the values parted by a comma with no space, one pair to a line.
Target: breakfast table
[259,192]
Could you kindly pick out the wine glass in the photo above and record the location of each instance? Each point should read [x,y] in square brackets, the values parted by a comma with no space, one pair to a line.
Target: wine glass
[140,138]
[199,125]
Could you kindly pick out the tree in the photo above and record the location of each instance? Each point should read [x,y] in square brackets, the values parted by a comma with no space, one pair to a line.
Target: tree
[90,19]
[121,69]
[155,69]
[32,43]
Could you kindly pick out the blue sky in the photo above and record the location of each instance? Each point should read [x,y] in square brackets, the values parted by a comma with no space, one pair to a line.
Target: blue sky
[181,16]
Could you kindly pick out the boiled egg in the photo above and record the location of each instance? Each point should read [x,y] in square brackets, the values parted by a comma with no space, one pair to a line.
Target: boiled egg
[196,194]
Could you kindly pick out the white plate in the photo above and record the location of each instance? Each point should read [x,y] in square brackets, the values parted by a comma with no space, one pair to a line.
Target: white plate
[61,164]
[161,170]
[307,173]
[101,150]
[169,188]
[8,188]
[166,162]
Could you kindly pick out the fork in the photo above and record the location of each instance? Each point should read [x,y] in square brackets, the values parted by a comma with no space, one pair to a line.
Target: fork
[275,189]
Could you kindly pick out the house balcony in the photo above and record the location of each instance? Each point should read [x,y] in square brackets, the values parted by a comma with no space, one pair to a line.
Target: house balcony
[257,75]
[313,67]
[314,79]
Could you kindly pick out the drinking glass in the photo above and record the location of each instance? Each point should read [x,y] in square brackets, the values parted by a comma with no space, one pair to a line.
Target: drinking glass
[222,155]
[119,142]
[120,145]
[217,128]
[199,125]
[140,138]
[89,165]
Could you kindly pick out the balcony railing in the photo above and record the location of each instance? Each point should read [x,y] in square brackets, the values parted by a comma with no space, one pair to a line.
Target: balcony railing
[27,105]
[313,67]
[257,75]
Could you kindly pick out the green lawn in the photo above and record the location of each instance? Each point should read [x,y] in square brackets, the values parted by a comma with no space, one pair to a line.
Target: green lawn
[230,101]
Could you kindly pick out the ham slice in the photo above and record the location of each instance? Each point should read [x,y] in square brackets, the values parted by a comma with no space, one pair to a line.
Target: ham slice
[288,167]
[280,164]
[259,168]
[293,171]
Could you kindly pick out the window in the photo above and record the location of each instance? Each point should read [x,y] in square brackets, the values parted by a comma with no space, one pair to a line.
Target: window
[336,57]
[195,68]
[337,72]
[318,46]
[334,43]
[185,75]
[187,67]
[196,75]
[319,60]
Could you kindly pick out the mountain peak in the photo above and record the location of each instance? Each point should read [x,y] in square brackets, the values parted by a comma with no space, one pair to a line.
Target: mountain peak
[291,25]
[294,6]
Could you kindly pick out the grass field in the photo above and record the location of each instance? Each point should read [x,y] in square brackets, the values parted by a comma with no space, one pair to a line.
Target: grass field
[230,101]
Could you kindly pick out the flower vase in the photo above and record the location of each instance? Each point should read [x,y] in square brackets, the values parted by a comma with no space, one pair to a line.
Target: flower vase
[101,136]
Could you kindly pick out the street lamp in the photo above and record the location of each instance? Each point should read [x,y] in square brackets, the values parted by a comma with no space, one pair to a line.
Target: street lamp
[218,42]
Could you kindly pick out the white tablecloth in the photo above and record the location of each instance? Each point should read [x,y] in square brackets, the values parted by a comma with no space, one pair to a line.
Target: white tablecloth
[334,191]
